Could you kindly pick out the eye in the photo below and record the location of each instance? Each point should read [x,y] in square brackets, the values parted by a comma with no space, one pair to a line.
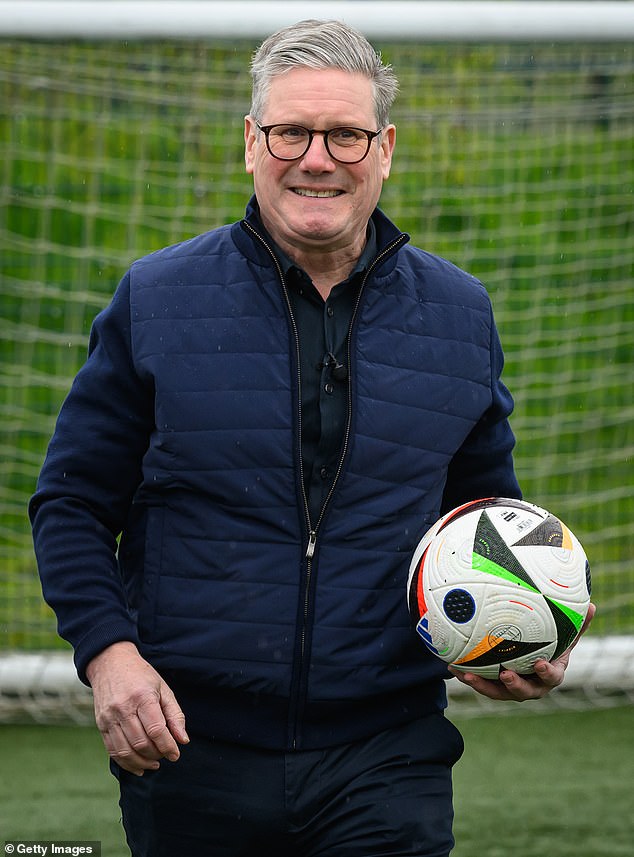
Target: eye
[291,133]
[346,136]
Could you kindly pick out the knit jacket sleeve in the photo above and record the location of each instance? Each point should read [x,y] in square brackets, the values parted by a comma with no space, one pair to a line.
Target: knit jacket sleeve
[91,471]
[483,466]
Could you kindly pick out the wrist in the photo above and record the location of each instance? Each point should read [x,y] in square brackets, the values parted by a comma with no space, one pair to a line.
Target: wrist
[118,650]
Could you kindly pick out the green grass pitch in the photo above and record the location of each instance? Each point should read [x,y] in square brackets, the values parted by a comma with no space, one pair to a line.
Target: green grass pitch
[529,785]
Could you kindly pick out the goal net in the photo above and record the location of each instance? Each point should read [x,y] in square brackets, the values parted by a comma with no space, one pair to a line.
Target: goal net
[514,160]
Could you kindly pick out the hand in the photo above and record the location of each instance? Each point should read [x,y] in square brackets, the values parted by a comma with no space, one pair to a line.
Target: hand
[136,712]
[511,686]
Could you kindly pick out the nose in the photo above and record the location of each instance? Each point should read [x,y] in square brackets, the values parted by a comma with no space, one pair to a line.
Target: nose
[316,158]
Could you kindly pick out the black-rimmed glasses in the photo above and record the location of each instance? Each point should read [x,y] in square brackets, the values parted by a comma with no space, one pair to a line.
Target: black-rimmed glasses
[344,144]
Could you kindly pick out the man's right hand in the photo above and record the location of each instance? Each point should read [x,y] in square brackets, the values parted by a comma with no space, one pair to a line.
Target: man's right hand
[136,712]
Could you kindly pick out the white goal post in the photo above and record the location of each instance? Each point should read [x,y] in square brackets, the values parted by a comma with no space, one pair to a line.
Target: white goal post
[450,20]
[44,688]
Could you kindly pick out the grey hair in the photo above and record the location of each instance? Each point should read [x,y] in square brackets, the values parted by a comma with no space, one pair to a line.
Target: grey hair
[319,45]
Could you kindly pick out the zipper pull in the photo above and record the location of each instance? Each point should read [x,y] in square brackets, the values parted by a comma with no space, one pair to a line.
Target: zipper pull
[310,550]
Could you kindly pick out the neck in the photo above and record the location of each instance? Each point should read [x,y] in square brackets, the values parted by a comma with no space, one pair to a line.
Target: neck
[325,277]
[325,267]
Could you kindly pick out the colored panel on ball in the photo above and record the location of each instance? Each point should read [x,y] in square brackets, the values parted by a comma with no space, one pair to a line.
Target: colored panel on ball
[474,505]
[567,538]
[549,533]
[568,623]
[465,509]
[482,648]
[423,630]
[420,595]
[481,563]
[503,650]
[492,555]
[459,605]
[573,615]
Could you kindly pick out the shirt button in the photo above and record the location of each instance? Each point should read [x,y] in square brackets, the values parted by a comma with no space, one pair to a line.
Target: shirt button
[329,388]
[330,311]
[323,472]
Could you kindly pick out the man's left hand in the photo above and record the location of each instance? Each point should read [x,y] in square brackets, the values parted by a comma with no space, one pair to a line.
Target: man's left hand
[511,686]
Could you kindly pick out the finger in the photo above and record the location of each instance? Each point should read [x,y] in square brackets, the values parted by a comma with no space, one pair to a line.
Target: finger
[491,689]
[139,739]
[510,687]
[152,719]
[522,688]
[120,750]
[174,716]
[551,673]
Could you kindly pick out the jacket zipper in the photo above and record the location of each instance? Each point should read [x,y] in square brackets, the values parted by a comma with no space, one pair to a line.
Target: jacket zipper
[313,531]
[381,256]
[310,550]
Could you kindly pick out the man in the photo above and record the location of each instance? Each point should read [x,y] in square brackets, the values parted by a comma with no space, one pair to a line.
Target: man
[272,414]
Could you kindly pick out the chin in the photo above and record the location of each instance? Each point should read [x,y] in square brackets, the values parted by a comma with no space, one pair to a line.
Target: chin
[319,233]
[319,224]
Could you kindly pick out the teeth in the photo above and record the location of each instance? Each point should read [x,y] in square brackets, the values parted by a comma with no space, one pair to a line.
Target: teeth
[302,191]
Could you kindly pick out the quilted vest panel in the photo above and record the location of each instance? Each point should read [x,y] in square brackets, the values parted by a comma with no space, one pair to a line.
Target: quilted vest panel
[218,531]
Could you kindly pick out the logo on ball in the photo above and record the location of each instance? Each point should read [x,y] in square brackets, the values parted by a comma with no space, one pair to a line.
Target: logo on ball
[507,632]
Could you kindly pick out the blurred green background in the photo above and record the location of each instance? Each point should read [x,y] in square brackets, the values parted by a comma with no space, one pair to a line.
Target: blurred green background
[514,161]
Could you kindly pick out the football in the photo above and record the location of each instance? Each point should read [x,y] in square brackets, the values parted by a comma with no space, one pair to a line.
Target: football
[498,583]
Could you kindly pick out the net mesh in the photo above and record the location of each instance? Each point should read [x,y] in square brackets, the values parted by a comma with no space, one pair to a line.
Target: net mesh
[514,161]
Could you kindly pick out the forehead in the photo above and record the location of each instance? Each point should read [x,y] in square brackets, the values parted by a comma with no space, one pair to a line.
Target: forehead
[332,95]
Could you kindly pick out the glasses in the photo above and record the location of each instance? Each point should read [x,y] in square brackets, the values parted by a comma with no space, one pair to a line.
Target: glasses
[290,142]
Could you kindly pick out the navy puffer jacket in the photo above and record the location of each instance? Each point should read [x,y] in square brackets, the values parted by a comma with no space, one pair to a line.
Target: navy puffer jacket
[182,432]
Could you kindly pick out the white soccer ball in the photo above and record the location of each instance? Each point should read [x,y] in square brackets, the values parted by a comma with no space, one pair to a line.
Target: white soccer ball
[498,583]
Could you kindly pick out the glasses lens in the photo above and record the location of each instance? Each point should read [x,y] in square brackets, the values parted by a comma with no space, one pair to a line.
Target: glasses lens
[348,145]
[288,141]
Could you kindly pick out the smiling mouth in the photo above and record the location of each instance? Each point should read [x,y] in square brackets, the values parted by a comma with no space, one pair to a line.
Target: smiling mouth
[316,194]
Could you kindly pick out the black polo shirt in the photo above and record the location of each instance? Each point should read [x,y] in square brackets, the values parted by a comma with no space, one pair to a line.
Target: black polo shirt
[323,327]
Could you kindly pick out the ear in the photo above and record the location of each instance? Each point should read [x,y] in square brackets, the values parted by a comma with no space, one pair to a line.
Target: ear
[250,142]
[388,141]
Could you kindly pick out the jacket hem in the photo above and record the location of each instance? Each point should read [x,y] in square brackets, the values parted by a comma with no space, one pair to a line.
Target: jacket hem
[262,720]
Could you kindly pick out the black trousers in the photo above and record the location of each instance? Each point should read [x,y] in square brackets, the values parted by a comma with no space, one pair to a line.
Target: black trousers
[390,794]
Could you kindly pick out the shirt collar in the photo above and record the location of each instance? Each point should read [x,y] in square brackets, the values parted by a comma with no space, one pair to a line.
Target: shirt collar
[363,262]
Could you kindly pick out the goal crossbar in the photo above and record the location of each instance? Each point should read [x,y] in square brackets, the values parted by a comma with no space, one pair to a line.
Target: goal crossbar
[421,21]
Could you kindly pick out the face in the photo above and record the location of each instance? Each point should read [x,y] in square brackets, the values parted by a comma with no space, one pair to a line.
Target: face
[314,201]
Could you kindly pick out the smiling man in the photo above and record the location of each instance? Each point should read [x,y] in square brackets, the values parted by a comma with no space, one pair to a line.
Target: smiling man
[270,417]
[317,189]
